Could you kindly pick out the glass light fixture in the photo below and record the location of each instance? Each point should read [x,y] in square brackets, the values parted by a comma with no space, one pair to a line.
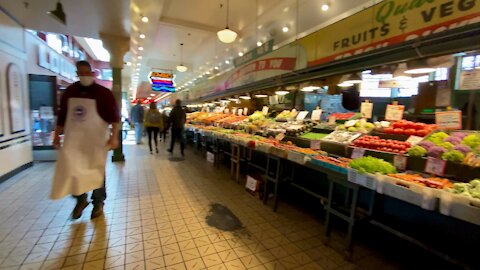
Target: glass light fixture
[142,36]
[325,7]
[181,67]
[145,19]
[226,35]
[285,29]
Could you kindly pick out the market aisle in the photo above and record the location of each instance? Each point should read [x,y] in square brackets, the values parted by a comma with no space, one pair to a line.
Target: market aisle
[155,219]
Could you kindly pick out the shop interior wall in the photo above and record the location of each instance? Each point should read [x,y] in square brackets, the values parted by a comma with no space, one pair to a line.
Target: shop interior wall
[15,147]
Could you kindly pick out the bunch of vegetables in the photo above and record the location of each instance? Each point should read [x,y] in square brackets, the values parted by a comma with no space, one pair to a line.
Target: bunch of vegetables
[408,128]
[370,164]
[458,147]
[375,143]
[431,182]
[471,190]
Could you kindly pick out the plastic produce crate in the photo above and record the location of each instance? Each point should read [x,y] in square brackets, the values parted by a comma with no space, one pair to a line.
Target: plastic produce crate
[461,207]
[367,180]
[413,193]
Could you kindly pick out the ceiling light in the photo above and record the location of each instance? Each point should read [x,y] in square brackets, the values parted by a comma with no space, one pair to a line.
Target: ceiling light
[261,96]
[208,72]
[399,73]
[259,43]
[420,70]
[181,67]
[129,63]
[226,35]
[245,97]
[227,61]
[281,92]
[152,95]
[139,64]
[309,88]
[325,7]
[345,84]
[285,29]
[216,68]
[58,13]
[240,53]
[139,57]
[144,19]
[140,48]
[138,69]
[233,99]
[142,36]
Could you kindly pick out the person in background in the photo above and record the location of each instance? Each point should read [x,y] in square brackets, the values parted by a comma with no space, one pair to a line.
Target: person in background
[165,126]
[136,116]
[176,122]
[86,111]
[154,124]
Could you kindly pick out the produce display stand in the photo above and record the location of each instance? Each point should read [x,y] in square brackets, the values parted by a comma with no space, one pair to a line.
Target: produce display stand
[352,207]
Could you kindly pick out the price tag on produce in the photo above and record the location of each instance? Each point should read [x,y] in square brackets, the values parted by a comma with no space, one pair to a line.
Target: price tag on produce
[394,112]
[400,162]
[280,136]
[357,153]
[435,166]
[245,111]
[366,110]
[315,144]
[316,115]
[265,110]
[240,112]
[414,140]
[226,111]
[449,120]
[234,111]
[332,120]
[301,115]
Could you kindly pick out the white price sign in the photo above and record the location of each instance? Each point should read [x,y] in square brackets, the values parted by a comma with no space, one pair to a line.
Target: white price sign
[301,115]
[400,162]
[357,153]
[366,109]
[435,166]
[449,120]
[245,111]
[316,115]
[394,112]
[280,136]
[265,110]
[240,112]
[251,184]
[315,144]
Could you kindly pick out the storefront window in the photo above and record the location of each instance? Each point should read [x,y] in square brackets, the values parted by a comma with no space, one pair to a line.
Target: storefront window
[55,42]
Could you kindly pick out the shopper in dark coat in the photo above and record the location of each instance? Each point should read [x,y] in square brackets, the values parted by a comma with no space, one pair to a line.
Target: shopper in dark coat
[176,121]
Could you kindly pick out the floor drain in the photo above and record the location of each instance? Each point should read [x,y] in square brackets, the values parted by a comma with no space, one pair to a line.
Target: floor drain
[222,218]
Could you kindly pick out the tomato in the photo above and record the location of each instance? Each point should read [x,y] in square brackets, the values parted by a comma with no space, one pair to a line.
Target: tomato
[418,126]
[421,133]
[409,131]
[388,130]
[398,131]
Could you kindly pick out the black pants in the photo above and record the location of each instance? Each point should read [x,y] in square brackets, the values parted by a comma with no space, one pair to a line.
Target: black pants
[164,134]
[155,131]
[177,133]
[98,195]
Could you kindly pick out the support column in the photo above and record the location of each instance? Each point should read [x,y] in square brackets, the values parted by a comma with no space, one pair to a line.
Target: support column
[117,47]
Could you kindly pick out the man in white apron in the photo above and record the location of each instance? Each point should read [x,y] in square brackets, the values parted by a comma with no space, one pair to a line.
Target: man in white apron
[86,111]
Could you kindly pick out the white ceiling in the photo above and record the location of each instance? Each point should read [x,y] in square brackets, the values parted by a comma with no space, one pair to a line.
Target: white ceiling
[192,22]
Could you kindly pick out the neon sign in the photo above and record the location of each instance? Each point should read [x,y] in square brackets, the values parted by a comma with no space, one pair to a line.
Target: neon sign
[162,82]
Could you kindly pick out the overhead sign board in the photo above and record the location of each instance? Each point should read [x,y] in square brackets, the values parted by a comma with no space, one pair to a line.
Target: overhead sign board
[162,81]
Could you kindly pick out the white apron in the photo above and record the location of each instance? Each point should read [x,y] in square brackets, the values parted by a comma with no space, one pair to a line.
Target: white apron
[82,158]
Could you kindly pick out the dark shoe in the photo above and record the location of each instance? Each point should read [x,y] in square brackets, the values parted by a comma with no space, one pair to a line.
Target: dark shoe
[78,210]
[156,150]
[97,210]
[169,150]
[151,153]
[183,154]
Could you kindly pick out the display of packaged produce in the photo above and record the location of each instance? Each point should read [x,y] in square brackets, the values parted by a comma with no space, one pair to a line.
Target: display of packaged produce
[456,147]
[297,129]
[385,145]
[408,128]
[345,116]
[431,182]
[370,164]
[357,126]
[324,126]
[342,137]
[337,161]
[471,190]
[286,116]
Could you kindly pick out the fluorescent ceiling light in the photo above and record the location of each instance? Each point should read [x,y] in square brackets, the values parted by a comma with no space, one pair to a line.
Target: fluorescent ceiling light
[420,71]
[261,96]
[344,84]
[281,92]
[98,50]
[309,88]
[240,53]
[245,97]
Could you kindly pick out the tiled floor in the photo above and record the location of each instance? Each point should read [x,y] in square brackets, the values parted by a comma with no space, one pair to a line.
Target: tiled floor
[155,219]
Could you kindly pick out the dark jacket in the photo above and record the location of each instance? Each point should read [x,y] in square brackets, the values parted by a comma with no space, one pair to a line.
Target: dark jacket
[177,117]
[137,114]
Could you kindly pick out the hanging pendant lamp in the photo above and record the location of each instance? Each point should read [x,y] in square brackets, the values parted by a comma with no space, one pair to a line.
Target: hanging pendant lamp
[226,35]
[181,67]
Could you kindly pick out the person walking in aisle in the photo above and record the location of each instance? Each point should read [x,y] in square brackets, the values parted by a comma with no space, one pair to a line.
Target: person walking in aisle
[86,111]
[176,121]
[154,124]
[136,116]
[165,126]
